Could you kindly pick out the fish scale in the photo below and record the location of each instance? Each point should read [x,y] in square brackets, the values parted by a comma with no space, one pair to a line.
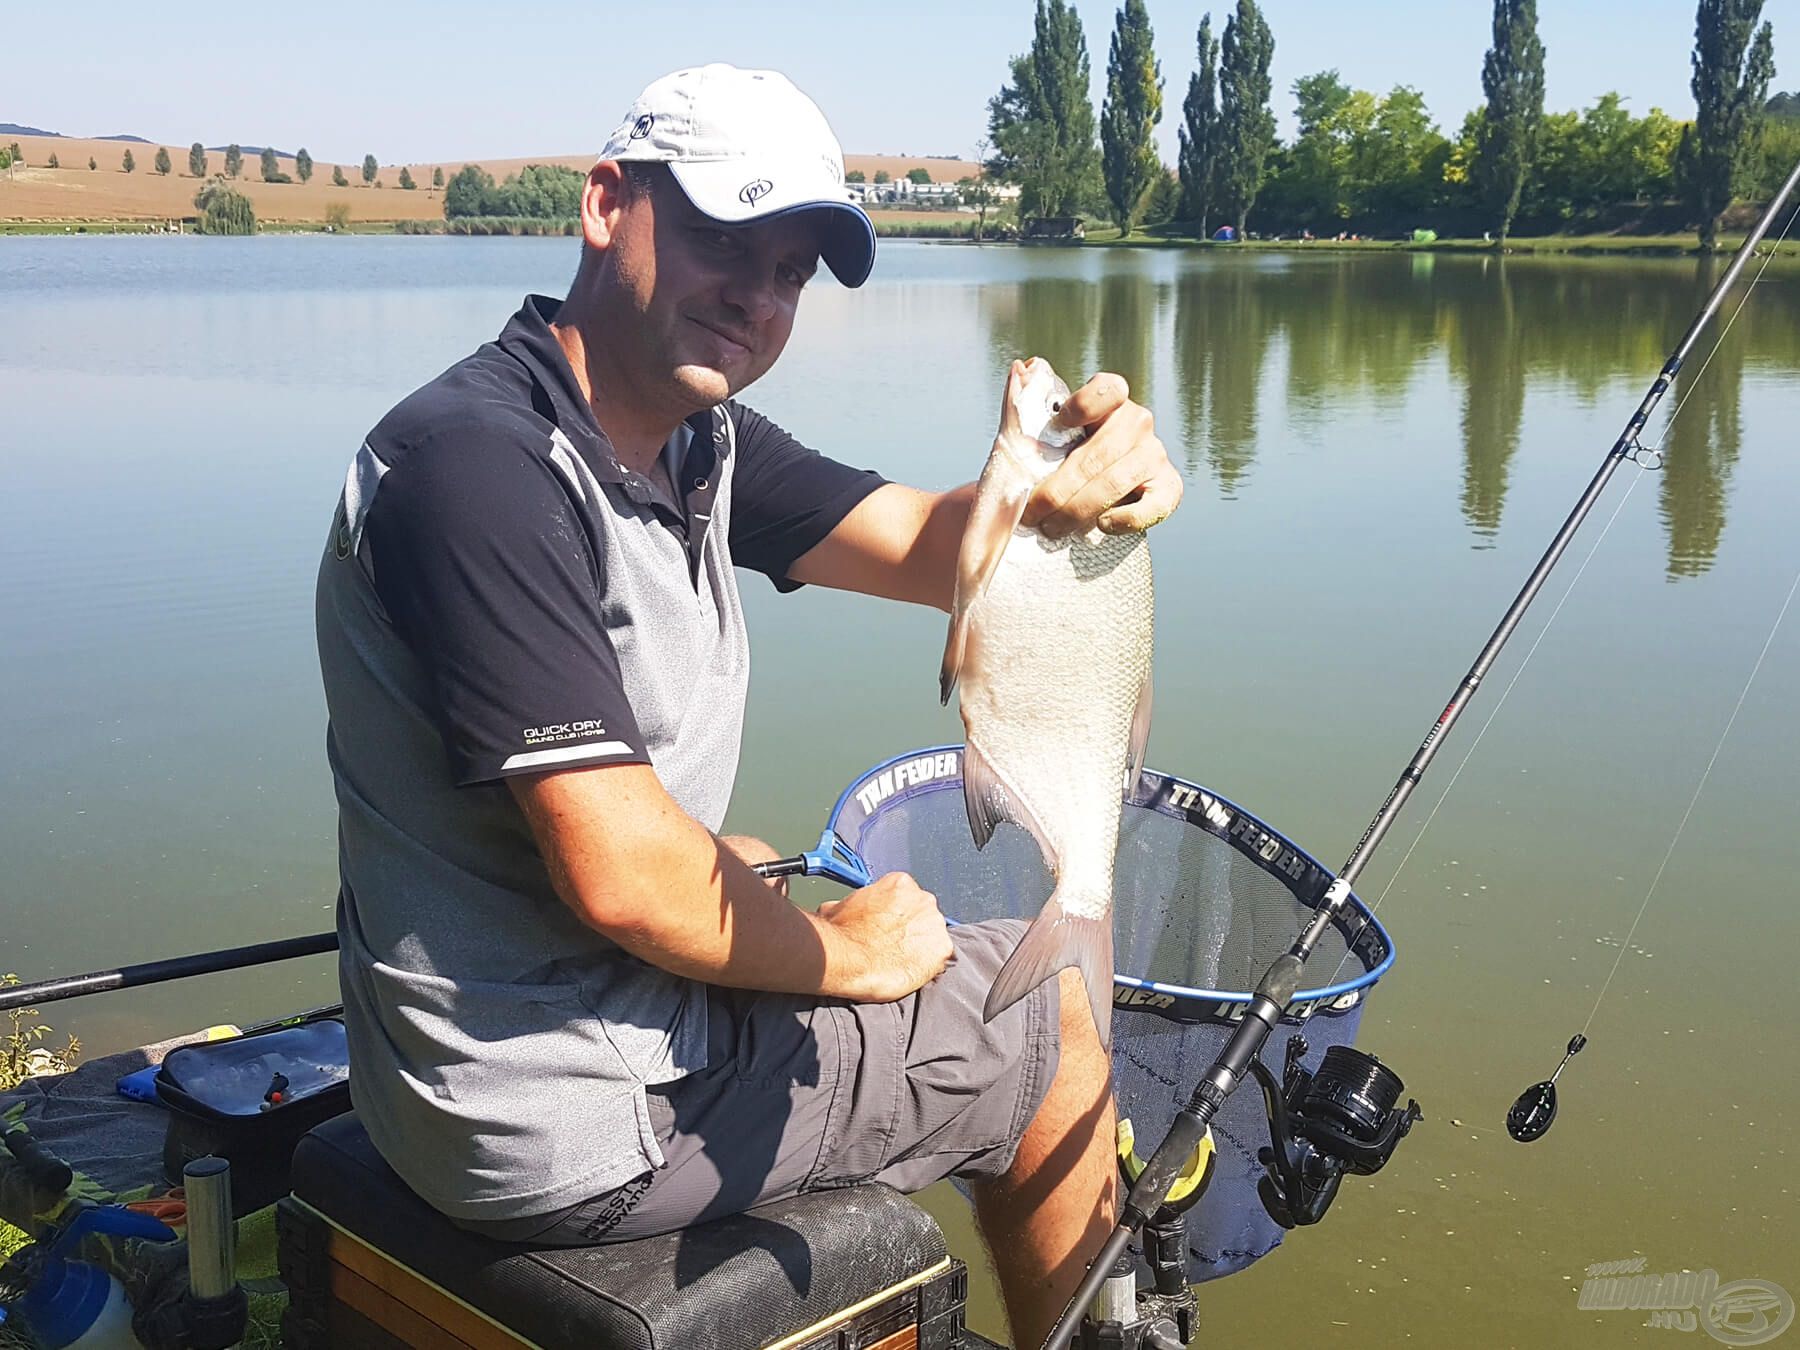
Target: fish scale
[1051,644]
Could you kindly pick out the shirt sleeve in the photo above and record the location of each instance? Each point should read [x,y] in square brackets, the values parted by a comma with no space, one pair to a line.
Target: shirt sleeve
[482,563]
[785,497]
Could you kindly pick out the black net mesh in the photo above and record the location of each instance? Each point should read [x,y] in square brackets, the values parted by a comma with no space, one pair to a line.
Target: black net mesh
[1205,896]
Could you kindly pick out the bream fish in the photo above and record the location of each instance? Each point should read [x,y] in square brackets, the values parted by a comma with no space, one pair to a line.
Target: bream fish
[1050,640]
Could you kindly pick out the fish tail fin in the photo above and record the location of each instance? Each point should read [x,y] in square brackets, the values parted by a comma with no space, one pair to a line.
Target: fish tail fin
[1055,941]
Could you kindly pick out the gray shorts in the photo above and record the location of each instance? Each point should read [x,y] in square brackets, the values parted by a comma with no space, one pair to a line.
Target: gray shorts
[807,1094]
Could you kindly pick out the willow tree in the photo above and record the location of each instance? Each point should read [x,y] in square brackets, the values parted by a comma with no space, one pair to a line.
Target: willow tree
[1247,126]
[1128,118]
[1734,61]
[1198,134]
[1512,77]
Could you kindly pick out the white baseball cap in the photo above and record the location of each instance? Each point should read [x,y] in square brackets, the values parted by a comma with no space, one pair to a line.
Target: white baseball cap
[747,145]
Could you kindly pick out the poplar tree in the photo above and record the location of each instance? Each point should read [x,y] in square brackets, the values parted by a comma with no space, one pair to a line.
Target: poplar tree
[197,160]
[234,160]
[128,164]
[1199,133]
[1246,124]
[1512,77]
[271,166]
[337,176]
[303,165]
[1734,61]
[1042,124]
[437,176]
[370,168]
[163,162]
[1129,116]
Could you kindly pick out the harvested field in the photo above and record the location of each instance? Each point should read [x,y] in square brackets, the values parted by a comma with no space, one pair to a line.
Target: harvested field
[73,192]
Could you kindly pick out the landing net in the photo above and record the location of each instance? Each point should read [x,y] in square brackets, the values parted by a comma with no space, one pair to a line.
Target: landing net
[1205,896]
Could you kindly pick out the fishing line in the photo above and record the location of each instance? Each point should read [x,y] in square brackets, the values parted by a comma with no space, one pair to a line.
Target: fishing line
[1501,703]
[1657,453]
[1699,787]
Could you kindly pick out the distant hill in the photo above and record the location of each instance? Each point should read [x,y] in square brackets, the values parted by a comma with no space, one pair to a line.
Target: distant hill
[135,140]
[15,129]
[1784,105]
[249,150]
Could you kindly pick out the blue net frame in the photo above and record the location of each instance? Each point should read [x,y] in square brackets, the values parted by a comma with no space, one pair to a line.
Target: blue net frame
[1206,894]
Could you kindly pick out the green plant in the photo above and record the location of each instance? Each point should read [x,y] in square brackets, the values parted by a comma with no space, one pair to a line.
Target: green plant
[23,1053]
[337,215]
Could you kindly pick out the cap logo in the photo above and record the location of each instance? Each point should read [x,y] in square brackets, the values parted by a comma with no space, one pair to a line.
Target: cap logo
[641,127]
[755,191]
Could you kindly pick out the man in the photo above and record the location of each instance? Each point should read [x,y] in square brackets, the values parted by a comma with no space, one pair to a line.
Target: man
[575,1013]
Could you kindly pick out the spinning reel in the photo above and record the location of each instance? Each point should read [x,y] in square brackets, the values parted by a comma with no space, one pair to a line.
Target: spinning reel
[1322,1124]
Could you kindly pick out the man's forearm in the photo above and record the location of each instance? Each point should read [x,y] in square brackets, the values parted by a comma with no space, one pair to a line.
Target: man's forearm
[899,542]
[668,891]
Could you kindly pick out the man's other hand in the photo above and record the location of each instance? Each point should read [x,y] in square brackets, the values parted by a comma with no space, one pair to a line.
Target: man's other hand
[1119,478]
[900,938]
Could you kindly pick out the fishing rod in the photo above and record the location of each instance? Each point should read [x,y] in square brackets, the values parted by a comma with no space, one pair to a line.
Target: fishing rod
[1241,1054]
[811,863]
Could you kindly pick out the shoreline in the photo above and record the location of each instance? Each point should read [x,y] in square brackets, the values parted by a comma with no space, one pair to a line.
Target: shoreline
[1573,245]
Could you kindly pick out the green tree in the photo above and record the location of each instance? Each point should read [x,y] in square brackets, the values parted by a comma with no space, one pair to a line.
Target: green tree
[1733,62]
[437,176]
[1313,185]
[918,176]
[53,161]
[855,176]
[370,168]
[1042,123]
[6,158]
[128,164]
[303,165]
[271,166]
[1198,135]
[882,176]
[1129,115]
[1246,124]
[197,160]
[1512,77]
[163,163]
[406,178]
[234,160]
[337,216]
[337,176]
[468,192]
[224,210]
[1163,204]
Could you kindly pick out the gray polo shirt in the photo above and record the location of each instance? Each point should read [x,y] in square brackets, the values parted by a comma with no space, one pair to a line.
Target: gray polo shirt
[499,596]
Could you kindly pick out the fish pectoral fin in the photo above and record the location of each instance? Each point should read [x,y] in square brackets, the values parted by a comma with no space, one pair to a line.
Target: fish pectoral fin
[989,801]
[999,502]
[1055,941]
[1140,736]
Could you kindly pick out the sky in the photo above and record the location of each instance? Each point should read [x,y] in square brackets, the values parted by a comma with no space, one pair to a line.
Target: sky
[408,81]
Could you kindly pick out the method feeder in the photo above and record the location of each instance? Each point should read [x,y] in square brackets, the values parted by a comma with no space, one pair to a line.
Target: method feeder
[1240,1055]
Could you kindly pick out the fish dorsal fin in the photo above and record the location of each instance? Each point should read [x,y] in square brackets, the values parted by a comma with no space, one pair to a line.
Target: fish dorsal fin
[989,801]
[1140,736]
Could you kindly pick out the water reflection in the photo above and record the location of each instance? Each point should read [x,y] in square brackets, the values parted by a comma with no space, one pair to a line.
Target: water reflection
[1315,332]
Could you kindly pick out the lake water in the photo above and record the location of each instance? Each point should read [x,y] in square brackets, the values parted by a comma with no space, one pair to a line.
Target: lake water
[1377,448]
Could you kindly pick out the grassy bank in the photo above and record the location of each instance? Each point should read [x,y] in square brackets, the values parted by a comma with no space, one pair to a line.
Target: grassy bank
[1611,245]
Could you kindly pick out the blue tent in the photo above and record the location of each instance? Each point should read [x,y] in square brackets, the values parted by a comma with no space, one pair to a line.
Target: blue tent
[1225,234]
